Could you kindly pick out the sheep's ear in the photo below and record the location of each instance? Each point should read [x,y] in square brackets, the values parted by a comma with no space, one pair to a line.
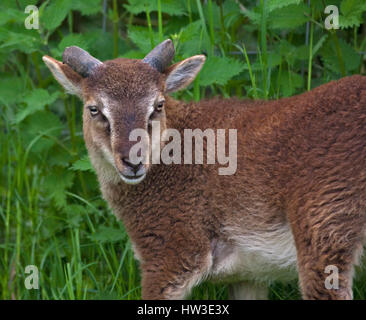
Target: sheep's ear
[181,74]
[67,77]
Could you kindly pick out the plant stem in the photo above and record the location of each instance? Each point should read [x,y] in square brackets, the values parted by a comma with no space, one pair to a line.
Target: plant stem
[252,79]
[150,27]
[211,25]
[115,29]
[189,10]
[203,21]
[263,33]
[310,52]
[339,53]
[160,21]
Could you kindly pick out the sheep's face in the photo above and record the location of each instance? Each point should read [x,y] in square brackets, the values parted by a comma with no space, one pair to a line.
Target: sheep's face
[122,98]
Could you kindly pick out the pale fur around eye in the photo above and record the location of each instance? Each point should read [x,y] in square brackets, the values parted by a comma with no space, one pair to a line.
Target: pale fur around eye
[94,111]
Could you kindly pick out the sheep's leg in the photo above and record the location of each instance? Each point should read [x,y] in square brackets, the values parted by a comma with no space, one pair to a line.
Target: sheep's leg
[329,244]
[326,279]
[174,284]
[248,290]
[170,272]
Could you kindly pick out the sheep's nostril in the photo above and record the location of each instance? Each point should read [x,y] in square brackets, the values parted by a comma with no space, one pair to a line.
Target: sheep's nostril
[133,166]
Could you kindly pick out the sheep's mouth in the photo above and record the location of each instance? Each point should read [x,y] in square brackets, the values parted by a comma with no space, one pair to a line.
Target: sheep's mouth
[132,179]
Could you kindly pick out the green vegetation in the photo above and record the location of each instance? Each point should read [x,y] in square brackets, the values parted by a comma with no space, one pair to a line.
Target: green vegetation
[51,211]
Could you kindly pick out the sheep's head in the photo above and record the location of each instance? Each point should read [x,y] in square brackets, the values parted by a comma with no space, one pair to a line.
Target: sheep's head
[123,95]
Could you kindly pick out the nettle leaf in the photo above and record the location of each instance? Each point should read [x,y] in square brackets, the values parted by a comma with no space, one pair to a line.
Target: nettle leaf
[59,157]
[35,101]
[141,38]
[23,3]
[274,7]
[73,39]
[254,15]
[349,22]
[133,54]
[98,43]
[289,17]
[171,7]
[11,41]
[231,13]
[289,52]
[89,7]
[37,128]
[191,31]
[351,59]
[11,15]
[277,4]
[192,40]
[56,183]
[108,234]
[219,70]
[11,89]
[349,7]
[55,13]
[289,82]
[83,164]
[75,213]
[319,5]
[351,13]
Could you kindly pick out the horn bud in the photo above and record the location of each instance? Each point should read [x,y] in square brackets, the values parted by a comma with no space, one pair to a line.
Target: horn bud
[80,61]
[161,56]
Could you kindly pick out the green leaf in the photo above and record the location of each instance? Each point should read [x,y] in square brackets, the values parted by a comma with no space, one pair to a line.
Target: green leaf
[349,22]
[253,15]
[75,214]
[219,70]
[87,8]
[12,16]
[25,42]
[192,40]
[59,157]
[171,7]
[35,101]
[140,37]
[289,82]
[39,126]
[11,89]
[56,183]
[353,7]
[231,13]
[133,54]
[289,17]
[273,9]
[72,39]
[351,13]
[277,4]
[83,164]
[108,234]
[55,13]
[350,57]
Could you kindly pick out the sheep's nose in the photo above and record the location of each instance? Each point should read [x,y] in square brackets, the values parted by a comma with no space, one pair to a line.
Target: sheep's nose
[134,167]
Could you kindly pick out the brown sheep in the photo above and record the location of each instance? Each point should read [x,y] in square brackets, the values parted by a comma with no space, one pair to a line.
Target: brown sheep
[295,203]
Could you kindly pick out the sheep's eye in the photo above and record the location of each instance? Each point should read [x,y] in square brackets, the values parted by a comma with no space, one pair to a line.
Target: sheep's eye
[159,106]
[93,110]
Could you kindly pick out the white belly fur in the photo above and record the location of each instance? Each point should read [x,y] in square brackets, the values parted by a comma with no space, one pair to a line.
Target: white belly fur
[263,257]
